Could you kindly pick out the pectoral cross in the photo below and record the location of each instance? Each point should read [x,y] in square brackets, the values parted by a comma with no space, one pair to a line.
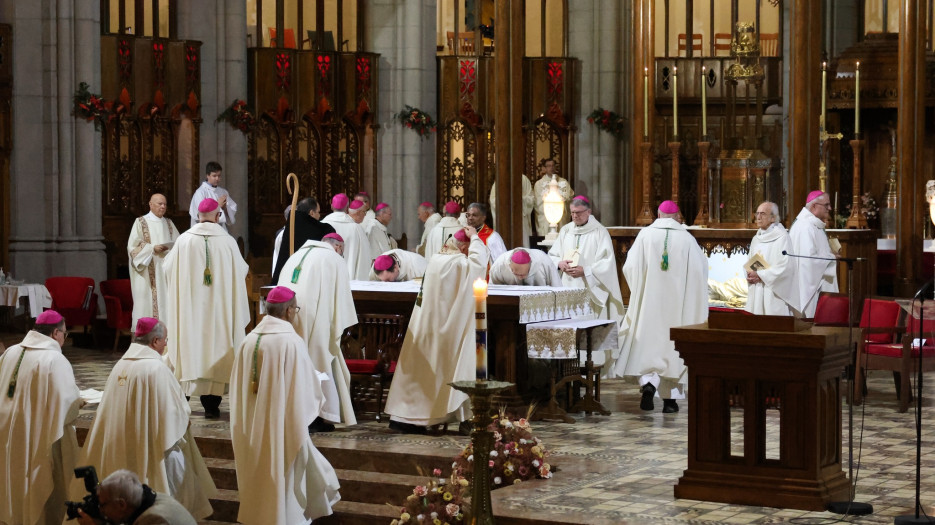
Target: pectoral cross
[823,138]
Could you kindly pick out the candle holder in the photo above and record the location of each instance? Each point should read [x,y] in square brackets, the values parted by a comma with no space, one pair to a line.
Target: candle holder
[481,394]
[857,219]
[702,219]
[645,217]
[674,147]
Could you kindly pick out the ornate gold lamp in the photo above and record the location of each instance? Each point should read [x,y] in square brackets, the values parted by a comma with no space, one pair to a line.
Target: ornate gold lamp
[553,204]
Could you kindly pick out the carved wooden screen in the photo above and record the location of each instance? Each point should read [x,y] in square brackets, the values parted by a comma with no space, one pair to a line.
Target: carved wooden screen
[544,140]
[458,164]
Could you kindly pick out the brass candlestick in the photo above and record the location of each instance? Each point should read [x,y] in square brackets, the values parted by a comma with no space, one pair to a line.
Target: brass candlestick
[674,147]
[702,219]
[857,219]
[645,218]
[481,394]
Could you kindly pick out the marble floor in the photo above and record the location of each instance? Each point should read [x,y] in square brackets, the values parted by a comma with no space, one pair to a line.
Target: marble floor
[621,468]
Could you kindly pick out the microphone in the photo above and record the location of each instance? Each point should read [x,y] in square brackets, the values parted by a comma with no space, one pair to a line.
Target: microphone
[836,259]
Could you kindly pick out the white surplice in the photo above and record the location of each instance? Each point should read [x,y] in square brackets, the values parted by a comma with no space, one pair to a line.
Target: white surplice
[205,322]
[440,344]
[596,257]
[39,452]
[411,265]
[778,292]
[542,271]
[357,258]
[807,237]
[529,203]
[323,293]
[380,240]
[142,425]
[147,280]
[287,478]
[659,300]
[440,233]
[430,223]
[207,191]
[539,190]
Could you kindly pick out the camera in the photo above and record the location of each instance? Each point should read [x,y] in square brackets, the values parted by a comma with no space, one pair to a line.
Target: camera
[90,505]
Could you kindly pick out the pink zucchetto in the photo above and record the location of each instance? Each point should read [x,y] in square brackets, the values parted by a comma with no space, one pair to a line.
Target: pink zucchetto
[521,257]
[452,208]
[279,295]
[145,325]
[383,263]
[334,236]
[339,202]
[460,236]
[427,204]
[581,198]
[813,195]
[381,206]
[668,207]
[207,205]
[49,317]
[356,205]
[363,193]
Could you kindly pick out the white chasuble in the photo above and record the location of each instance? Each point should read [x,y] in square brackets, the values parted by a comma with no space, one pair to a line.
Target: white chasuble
[380,240]
[430,223]
[318,276]
[411,265]
[439,235]
[142,425]
[357,256]
[287,478]
[778,292]
[440,345]
[40,449]
[807,236]
[542,271]
[205,322]
[661,299]
[147,279]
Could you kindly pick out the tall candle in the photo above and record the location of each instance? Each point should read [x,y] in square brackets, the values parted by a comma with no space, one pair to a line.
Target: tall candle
[824,83]
[675,103]
[646,102]
[857,100]
[835,211]
[704,104]
[480,316]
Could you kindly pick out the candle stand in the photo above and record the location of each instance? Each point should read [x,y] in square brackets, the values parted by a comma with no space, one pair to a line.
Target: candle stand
[857,219]
[674,147]
[645,217]
[702,218]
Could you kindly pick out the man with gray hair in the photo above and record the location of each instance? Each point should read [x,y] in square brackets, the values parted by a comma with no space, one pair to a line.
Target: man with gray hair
[124,499]
[431,218]
[807,236]
[380,239]
[308,226]
[771,289]
[142,424]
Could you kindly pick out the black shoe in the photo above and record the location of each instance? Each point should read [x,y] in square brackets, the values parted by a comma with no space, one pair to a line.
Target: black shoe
[320,425]
[465,428]
[646,403]
[406,428]
[212,406]
[212,413]
[669,406]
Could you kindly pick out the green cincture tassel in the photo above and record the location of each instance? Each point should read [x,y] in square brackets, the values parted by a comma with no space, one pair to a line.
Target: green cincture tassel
[295,274]
[12,388]
[665,254]
[254,375]
[207,280]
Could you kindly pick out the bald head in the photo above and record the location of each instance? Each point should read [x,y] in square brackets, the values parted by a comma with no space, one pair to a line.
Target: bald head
[157,204]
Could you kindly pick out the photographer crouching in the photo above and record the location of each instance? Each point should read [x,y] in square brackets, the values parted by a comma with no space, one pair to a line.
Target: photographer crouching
[122,499]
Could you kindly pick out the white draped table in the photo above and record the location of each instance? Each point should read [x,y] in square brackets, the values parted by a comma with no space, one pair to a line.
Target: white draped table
[38,297]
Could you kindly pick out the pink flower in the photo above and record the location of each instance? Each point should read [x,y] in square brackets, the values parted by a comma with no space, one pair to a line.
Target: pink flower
[420,491]
[437,472]
[452,509]
[490,463]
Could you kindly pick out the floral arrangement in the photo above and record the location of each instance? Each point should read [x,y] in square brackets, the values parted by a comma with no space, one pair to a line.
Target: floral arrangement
[608,121]
[90,106]
[868,207]
[516,455]
[238,116]
[439,502]
[417,120]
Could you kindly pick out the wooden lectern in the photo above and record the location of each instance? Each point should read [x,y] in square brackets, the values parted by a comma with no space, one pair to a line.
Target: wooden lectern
[760,363]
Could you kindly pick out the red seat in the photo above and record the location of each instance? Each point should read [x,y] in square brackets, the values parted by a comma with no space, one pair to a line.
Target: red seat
[370,350]
[74,298]
[118,302]
[832,309]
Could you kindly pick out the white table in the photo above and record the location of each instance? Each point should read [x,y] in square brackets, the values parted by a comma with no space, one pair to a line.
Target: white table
[38,296]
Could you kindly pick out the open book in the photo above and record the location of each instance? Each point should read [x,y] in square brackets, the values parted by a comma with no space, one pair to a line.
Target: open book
[755,263]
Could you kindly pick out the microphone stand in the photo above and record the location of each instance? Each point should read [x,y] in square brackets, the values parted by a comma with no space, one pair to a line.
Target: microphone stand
[914,519]
[849,507]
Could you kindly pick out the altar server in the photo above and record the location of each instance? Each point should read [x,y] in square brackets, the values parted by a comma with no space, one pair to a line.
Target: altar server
[275,395]
[211,189]
[668,274]
[207,310]
[808,238]
[357,257]
[439,347]
[151,238]
[772,290]
[38,406]
[398,265]
[142,425]
[526,268]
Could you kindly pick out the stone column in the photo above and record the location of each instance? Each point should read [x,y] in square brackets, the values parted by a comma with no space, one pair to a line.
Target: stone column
[221,27]
[607,65]
[403,33]
[56,162]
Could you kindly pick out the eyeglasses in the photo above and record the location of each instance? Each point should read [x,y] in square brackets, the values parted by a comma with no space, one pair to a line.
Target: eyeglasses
[297,308]
[64,333]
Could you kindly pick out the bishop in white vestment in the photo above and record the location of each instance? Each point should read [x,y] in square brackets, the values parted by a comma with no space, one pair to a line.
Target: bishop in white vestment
[772,290]
[150,240]
[142,425]
[667,273]
[398,265]
[525,268]
[275,395]
[207,308]
[319,277]
[440,345]
[357,257]
[808,237]
[430,217]
[38,406]
[380,239]
[444,230]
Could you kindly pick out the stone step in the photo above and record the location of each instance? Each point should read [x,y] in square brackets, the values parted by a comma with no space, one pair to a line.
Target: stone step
[225,504]
[222,472]
[356,513]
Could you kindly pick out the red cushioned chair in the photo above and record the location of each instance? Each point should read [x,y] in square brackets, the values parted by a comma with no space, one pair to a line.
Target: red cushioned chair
[118,301]
[881,323]
[74,298]
[832,309]
[371,349]
[901,357]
